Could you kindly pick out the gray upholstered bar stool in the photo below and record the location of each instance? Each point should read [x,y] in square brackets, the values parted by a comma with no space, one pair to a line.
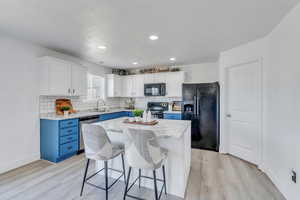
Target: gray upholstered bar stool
[98,147]
[143,152]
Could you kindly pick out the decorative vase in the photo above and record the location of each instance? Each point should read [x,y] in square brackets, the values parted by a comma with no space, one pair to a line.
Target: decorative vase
[66,113]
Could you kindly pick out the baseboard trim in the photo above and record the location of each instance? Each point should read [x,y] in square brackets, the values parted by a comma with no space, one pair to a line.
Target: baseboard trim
[7,166]
[273,176]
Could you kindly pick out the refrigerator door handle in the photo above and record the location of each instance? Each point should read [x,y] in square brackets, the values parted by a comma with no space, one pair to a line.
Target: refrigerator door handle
[195,105]
[198,106]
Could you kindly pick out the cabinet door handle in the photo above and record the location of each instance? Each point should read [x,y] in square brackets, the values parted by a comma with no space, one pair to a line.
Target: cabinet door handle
[69,90]
[73,91]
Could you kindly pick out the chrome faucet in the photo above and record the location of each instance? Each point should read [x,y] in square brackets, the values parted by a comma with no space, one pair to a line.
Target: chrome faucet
[101,105]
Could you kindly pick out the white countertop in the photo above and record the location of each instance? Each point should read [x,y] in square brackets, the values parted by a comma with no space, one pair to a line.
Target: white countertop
[164,128]
[53,116]
[173,112]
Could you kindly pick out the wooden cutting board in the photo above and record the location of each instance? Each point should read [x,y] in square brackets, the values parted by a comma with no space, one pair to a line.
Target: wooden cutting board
[152,123]
[59,103]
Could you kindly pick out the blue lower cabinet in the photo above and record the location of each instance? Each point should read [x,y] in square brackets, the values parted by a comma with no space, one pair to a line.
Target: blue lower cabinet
[174,116]
[68,131]
[59,139]
[68,148]
[107,116]
[114,115]
[68,139]
[68,123]
[129,114]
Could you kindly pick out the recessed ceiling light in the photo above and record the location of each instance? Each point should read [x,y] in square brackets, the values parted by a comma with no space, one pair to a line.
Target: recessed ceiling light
[172,59]
[153,37]
[101,47]
[135,63]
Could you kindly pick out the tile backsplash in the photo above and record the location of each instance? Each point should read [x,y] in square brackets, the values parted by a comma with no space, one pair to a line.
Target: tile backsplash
[47,103]
[142,102]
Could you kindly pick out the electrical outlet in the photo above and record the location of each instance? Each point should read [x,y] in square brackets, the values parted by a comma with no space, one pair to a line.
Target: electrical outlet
[294,176]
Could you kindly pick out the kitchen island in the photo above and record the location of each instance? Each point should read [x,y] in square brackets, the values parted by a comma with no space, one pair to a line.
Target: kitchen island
[174,135]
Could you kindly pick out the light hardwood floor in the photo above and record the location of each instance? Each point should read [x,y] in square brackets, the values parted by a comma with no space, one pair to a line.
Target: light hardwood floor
[213,177]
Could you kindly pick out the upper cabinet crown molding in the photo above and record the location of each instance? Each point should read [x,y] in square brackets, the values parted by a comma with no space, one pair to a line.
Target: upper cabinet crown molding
[62,78]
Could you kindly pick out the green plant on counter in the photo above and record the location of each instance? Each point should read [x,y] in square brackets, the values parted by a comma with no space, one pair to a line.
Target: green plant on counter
[65,108]
[137,113]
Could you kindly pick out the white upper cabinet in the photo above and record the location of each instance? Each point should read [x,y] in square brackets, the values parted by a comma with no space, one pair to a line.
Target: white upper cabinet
[138,85]
[148,78]
[127,86]
[56,77]
[159,78]
[133,86]
[114,85]
[79,80]
[174,81]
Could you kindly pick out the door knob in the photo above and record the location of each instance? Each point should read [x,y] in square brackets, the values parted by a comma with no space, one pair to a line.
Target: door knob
[228,115]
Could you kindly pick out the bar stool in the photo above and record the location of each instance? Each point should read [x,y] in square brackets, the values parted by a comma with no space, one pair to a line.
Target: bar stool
[143,152]
[98,147]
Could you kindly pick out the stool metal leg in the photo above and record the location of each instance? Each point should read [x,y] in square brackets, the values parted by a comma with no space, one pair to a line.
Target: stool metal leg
[123,164]
[84,177]
[140,174]
[127,183]
[106,179]
[155,185]
[164,175]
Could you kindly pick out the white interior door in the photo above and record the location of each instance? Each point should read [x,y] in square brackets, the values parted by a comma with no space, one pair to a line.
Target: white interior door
[244,110]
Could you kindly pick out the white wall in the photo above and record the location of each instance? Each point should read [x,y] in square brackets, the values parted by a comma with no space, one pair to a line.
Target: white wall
[280,51]
[19,100]
[283,103]
[201,73]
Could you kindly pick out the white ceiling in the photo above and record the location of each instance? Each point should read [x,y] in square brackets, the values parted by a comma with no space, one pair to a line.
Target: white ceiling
[193,31]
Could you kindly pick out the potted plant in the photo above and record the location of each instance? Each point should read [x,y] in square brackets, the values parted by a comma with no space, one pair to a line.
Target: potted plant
[65,109]
[137,114]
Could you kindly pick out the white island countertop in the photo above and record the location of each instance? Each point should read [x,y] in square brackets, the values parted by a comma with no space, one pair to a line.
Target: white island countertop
[164,128]
[173,135]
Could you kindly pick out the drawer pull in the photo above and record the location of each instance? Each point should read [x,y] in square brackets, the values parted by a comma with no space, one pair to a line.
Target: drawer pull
[69,148]
[69,131]
[69,138]
[70,122]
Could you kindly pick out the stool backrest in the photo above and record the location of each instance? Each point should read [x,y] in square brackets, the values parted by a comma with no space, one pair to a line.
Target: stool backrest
[142,149]
[96,142]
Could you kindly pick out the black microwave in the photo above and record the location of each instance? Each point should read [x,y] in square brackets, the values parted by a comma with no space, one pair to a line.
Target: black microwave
[155,89]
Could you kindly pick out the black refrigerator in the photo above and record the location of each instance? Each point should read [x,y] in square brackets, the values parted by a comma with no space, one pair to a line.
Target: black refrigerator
[201,105]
